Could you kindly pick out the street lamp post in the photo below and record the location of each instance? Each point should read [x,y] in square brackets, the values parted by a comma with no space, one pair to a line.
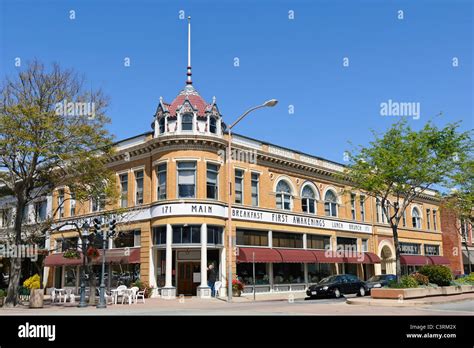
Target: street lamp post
[105,237]
[269,103]
[84,239]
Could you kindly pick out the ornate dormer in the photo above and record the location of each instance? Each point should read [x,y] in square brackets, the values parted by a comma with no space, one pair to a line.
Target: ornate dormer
[188,113]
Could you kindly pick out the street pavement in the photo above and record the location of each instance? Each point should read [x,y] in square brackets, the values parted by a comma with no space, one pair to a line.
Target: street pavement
[291,306]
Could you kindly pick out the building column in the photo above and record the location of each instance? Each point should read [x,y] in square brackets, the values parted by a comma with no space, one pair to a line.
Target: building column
[223,279]
[203,290]
[270,276]
[47,246]
[169,291]
[152,275]
[270,239]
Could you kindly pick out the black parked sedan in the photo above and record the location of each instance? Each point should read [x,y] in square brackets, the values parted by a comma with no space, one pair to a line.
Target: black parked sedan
[379,281]
[337,286]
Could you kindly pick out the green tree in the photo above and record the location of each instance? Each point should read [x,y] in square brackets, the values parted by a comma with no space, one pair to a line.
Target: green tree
[45,145]
[400,165]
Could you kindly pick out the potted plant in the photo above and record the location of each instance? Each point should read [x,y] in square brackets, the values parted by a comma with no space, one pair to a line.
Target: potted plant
[33,284]
[237,287]
[143,286]
[93,253]
[2,297]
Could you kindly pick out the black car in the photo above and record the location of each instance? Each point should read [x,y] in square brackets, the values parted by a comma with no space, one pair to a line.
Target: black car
[338,285]
[379,281]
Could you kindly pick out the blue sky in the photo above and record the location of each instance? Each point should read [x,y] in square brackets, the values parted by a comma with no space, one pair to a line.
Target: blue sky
[298,61]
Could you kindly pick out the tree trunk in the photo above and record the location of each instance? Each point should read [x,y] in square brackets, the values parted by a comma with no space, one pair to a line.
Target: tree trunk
[14,281]
[397,252]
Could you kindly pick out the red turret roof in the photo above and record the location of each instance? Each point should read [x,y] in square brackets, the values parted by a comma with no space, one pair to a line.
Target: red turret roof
[190,94]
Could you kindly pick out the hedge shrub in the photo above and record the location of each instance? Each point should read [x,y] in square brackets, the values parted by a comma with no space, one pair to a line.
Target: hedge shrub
[437,274]
[420,278]
[405,283]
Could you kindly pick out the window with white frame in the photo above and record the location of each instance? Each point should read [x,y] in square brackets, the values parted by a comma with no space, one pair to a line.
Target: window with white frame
[330,203]
[40,211]
[416,218]
[353,206]
[255,188]
[378,209]
[404,218]
[362,208]
[435,221]
[60,203]
[72,204]
[139,177]
[212,181]
[187,179]
[365,245]
[162,124]
[283,195]
[308,200]
[123,190]
[187,122]
[98,203]
[239,186]
[212,125]
[161,170]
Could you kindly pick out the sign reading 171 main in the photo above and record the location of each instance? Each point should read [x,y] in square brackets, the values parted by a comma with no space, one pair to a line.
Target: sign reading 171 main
[183,209]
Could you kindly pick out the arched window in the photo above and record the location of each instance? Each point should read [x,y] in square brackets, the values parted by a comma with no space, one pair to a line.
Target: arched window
[283,195]
[161,123]
[187,122]
[416,218]
[330,203]
[308,201]
[212,125]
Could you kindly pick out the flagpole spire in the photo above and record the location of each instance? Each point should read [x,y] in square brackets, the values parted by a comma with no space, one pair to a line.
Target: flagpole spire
[189,81]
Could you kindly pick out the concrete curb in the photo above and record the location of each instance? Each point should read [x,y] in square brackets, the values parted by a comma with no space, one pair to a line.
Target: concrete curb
[405,303]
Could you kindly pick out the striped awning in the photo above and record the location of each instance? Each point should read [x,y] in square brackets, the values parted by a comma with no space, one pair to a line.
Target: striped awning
[114,256]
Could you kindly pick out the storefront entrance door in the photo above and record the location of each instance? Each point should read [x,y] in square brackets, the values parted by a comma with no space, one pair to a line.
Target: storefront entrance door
[188,277]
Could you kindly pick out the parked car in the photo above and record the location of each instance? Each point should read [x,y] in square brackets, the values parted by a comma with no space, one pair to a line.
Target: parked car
[338,285]
[379,281]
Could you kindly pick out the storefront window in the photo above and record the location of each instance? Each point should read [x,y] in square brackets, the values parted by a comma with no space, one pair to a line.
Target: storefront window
[70,276]
[245,273]
[124,274]
[128,239]
[214,235]
[431,249]
[287,240]
[318,242]
[159,234]
[249,237]
[186,234]
[285,273]
[410,248]
[347,244]
[318,271]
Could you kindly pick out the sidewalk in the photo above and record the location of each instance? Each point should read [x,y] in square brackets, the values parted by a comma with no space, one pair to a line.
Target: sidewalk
[369,301]
[282,296]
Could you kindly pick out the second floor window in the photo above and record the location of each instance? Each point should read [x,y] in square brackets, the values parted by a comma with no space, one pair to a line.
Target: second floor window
[212,175]
[139,187]
[435,222]
[308,201]
[161,181]
[255,188]
[186,179]
[416,218]
[404,219]
[187,122]
[283,195]
[362,208]
[72,204]
[40,211]
[124,190]
[239,186]
[98,203]
[61,204]
[330,203]
[428,219]
[353,206]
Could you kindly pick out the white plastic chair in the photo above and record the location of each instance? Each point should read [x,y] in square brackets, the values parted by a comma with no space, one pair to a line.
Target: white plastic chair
[217,288]
[138,294]
[68,294]
[129,294]
[120,291]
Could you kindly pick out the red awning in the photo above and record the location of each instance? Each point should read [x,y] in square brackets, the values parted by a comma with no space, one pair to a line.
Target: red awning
[365,257]
[115,256]
[439,260]
[327,256]
[261,255]
[297,255]
[414,260]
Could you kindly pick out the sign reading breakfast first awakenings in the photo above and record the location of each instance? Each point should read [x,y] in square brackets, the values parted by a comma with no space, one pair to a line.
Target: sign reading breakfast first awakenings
[180,209]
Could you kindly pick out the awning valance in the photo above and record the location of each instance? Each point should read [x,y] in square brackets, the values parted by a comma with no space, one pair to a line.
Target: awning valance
[439,260]
[415,260]
[261,255]
[297,255]
[365,258]
[114,256]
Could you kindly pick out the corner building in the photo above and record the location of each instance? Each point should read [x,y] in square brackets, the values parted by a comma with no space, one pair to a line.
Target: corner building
[289,208]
